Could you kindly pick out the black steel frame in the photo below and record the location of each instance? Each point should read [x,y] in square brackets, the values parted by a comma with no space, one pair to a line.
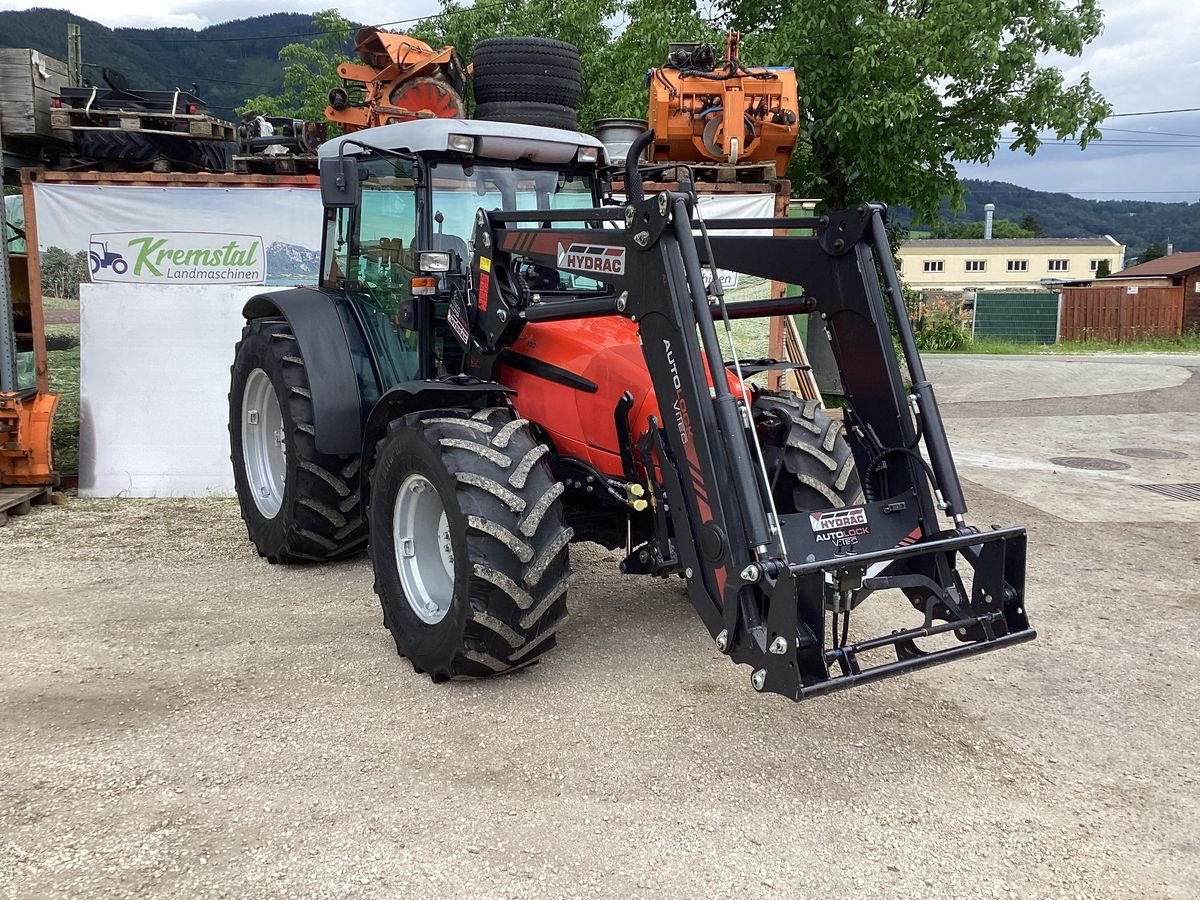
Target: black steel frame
[764,585]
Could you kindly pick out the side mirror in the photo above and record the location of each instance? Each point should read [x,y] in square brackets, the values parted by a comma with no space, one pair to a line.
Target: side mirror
[340,187]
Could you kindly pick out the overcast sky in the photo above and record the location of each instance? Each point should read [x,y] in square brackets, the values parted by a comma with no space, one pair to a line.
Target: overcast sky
[1145,60]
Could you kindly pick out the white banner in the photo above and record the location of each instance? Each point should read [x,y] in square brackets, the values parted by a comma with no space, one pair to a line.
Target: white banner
[172,345]
[184,235]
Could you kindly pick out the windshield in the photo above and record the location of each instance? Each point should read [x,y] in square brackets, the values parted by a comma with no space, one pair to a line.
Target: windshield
[458,191]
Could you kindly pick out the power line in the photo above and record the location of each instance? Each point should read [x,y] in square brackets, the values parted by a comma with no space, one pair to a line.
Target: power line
[1155,112]
[1163,133]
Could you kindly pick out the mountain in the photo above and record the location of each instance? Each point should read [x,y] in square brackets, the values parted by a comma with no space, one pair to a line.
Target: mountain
[1134,223]
[231,62]
[291,260]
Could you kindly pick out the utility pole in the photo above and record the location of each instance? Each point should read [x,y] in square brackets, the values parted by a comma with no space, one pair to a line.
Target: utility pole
[74,56]
[8,341]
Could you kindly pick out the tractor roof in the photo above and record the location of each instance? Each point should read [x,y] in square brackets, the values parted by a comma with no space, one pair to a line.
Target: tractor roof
[494,140]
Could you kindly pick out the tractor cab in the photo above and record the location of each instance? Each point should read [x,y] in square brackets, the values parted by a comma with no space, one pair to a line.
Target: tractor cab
[400,205]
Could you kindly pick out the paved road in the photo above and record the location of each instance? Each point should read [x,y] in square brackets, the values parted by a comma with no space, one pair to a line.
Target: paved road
[179,719]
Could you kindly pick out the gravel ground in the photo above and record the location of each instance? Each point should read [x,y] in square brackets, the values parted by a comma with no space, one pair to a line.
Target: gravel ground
[179,719]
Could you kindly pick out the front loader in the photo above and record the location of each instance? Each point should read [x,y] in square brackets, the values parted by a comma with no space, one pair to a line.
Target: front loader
[498,363]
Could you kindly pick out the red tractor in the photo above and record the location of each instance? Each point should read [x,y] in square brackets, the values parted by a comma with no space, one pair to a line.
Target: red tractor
[499,361]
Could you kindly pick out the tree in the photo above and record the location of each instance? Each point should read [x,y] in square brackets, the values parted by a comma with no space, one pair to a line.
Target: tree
[62,272]
[1031,224]
[895,92]
[309,73]
[1103,269]
[1001,228]
[1152,251]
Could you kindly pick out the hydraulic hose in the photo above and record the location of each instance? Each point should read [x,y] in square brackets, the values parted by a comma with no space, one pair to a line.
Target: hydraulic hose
[633,178]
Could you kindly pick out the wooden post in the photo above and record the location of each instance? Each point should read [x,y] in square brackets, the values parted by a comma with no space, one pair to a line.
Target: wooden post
[36,318]
[776,348]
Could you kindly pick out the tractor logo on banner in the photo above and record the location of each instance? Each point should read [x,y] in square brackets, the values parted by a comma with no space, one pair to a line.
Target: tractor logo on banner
[594,259]
[177,257]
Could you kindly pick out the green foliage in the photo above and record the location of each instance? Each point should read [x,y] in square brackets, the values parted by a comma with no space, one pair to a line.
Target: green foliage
[1185,343]
[895,92]
[1152,251]
[309,72]
[1031,224]
[1001,228]
[62,362]
[62,272]
[938,325]
[620,68]
[1103,269]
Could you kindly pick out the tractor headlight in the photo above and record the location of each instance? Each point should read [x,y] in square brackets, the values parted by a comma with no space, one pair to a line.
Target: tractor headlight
[433,261]
[588,154]
[461,143]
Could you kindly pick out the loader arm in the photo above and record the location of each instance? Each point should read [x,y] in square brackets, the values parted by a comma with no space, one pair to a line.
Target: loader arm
[765,584]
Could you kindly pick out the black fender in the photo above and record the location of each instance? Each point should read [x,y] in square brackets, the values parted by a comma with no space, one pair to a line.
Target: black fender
[337,400]
[415,396]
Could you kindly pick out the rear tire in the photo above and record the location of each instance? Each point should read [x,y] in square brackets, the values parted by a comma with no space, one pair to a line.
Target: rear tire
[817,469]
[299,505]
[479,585]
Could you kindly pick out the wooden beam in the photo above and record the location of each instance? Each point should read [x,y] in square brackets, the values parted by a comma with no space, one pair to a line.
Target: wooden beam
[34,263]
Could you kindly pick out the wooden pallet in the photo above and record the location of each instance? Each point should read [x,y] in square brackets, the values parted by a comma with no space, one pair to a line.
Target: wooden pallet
[734,173]
[18,500]
[198,127]
[284,164]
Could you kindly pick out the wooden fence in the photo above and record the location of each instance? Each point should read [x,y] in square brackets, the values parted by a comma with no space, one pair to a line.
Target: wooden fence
[1115,314]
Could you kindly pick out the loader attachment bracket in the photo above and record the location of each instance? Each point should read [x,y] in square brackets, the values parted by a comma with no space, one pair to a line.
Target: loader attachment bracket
[791,656]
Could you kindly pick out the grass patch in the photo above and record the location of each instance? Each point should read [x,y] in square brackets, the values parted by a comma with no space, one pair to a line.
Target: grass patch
[1188,343]
[64,380]
[60,303]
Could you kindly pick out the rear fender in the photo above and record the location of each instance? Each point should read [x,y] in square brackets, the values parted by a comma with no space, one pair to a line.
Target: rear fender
[338,405]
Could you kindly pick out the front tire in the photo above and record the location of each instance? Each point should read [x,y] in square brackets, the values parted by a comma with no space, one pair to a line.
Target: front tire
[299,505]
[467,542]
[808,457]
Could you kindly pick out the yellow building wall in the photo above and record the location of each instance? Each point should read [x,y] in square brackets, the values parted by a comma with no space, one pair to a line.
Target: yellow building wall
[996,276]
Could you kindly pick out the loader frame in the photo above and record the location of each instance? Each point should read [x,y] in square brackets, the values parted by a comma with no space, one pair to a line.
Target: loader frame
[765,584]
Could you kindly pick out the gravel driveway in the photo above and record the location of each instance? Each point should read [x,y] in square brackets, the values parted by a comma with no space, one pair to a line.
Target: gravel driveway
[178,718]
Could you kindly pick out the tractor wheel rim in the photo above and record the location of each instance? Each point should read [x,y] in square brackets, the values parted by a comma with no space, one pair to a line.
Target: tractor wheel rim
[424,551]
[264,443]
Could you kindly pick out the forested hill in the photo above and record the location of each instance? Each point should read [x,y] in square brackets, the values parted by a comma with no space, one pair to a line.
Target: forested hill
[1135,223]
[227,68]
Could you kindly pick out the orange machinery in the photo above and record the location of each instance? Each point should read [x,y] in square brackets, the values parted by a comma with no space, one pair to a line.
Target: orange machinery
[26,404]
[702,110]
[400,78]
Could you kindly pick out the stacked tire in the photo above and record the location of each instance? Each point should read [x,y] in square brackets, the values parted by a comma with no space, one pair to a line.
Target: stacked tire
[133,148]
[528,81]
